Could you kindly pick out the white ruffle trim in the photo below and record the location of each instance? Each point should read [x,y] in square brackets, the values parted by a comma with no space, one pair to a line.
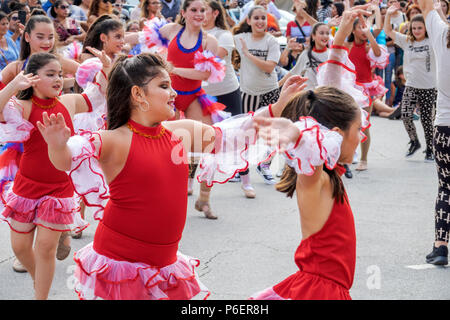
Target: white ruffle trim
[98,276]
[87,177]
[315,146]
[239,148]
[15,128]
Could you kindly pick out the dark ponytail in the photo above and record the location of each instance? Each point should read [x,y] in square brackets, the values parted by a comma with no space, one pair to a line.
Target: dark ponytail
[126,73]
[330,107]
[102,25]
[36,17]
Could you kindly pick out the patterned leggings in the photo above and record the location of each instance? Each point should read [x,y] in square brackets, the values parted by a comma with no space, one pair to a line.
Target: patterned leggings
[253,103]
[441,143]
[425,99]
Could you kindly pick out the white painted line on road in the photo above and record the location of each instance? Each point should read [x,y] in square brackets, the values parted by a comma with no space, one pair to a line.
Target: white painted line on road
[425,266]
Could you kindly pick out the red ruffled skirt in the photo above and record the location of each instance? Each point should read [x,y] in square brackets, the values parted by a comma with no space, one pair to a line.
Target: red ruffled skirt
[304,286]
[58,214]
[98,276]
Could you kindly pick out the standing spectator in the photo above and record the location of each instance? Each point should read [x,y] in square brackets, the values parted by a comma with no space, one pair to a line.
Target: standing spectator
[302,25]
[14,29]
[420,74]
[170,9]
[67,28]
[259,52]
[325,11]
[290,54]
[99,8]
[123,13]
[439,33]
[445,9]
[76,12]
[8,50]
[83,5]
[151,9]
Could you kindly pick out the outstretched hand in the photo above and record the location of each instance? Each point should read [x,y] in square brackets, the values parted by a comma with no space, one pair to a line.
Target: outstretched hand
[54,130]
[277,132]
[104,58]
[24,81]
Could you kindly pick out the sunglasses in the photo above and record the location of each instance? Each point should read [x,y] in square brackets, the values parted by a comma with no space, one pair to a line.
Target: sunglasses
[118,5]
[111,1]
[14,18]
[63,7]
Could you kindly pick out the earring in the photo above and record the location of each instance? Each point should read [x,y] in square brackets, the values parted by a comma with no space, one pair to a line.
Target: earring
[145,110]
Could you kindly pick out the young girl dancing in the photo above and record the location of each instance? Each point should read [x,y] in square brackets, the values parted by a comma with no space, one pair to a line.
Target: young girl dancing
[327,133]
[420,73]
[39,36]
[135,250]
[40,201]
[187,45]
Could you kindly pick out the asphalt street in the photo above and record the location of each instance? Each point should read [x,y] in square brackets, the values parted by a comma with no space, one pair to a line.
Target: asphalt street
[251,246]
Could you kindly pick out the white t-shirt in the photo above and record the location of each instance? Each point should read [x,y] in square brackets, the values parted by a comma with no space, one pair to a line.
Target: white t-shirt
[437,31]
[254,81]
[303,67]
[419,65]
[230,83]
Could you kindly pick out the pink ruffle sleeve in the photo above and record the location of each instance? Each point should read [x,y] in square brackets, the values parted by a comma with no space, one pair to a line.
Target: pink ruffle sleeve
[86,175]
[381,61]
[95,119]
[206,61]
[150,37]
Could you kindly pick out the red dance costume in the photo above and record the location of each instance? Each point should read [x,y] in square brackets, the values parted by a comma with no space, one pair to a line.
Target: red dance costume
[187,89]
[41,194]
[373,84]
[134,253]
[326,261]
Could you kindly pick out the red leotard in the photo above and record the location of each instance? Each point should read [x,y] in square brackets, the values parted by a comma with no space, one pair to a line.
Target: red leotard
[326,261]
[145,216]
[37,177]
[358,57]
[187,89]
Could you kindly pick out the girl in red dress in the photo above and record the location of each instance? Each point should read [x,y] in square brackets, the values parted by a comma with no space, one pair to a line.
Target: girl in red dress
[327,134]
[140,166]
[40,200]
[186,43]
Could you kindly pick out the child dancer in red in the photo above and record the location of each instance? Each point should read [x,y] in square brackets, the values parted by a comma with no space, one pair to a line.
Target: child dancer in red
[135,250]
[327,134]
[41,198]
[187,48]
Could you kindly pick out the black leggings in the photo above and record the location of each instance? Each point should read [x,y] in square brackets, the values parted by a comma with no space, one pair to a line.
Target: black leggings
[425,100]
[441,144]
[233,102]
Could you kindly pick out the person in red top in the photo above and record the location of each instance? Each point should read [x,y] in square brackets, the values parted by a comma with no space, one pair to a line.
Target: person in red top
[142,157]
[41,198]
[330,121]
[365,54]
[187,39]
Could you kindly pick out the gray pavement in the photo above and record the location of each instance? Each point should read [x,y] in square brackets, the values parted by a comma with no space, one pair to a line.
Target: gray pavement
[251,246]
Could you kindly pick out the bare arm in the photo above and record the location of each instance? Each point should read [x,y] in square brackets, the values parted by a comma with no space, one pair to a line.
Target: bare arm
[387,22]
[426,6]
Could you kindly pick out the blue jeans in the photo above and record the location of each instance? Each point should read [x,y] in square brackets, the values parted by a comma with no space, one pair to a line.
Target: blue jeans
[388,74]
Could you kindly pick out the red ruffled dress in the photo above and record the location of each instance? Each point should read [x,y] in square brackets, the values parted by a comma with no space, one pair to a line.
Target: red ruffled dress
[326,261]
[41,194]
[187,89]
[135,255]
[364,65]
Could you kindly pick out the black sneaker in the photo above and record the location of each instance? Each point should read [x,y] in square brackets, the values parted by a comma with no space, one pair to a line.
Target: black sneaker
[439,256]
[348,173]
[264,172]
[396,115]
[414,146]
[429,156]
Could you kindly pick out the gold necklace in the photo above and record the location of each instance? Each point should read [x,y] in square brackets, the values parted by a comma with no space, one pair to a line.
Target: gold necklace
[159,135]
[42,106]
